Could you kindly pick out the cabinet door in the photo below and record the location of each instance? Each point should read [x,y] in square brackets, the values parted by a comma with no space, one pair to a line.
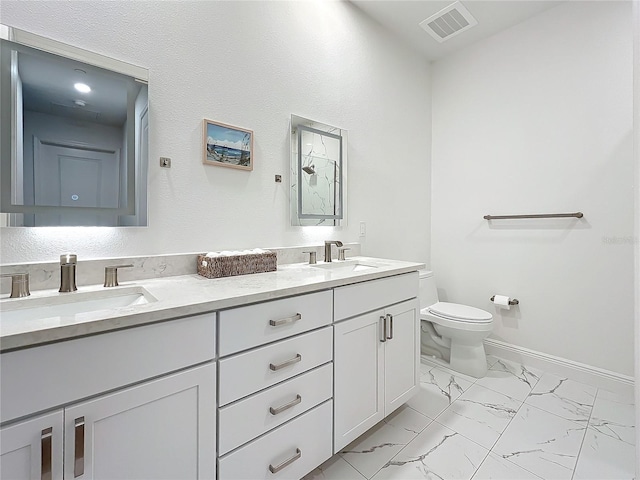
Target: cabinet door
[358,377]
[163,429]
[32,449]
[402,354]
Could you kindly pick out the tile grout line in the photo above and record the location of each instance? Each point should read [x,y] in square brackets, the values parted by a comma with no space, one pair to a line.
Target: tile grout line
[414,437]
[427,426]
[505,429]
[474,381]
[453,373]
[490,450]
[559,416]
[481,463]
[407,444]
[352,466]
[522,403]
[586,429]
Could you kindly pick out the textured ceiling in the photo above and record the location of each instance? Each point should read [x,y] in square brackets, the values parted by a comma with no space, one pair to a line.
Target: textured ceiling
[403,16]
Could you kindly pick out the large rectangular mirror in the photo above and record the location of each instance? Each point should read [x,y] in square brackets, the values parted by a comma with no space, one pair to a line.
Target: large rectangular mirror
[318,154]
[73,137]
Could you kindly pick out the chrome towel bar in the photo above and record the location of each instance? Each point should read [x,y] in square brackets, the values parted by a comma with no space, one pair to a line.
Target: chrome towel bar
[539,215]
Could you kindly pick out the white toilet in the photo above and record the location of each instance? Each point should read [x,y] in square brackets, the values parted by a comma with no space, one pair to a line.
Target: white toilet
[452,333]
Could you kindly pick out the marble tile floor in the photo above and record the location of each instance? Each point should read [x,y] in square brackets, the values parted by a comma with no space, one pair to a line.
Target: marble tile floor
[515,423]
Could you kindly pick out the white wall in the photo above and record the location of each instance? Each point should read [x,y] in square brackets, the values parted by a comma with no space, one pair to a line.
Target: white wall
[252,64]
[538,119]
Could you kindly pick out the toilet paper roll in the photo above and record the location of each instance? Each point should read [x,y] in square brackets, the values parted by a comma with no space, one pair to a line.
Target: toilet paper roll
[502,301]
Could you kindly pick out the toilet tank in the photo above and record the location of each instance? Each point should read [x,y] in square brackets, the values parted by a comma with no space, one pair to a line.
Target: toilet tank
[428,293]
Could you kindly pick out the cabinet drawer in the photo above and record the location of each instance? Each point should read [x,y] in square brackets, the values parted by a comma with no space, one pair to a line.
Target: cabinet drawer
[248,372]
[244,420]
[309,435]
[39,378]
[247,327]
[363,297]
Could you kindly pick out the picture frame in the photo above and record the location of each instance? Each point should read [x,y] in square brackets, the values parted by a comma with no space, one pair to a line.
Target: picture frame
[226,145]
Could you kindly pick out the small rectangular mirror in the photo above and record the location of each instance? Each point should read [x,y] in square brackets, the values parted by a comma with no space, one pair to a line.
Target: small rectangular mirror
[74,137]
[318,153]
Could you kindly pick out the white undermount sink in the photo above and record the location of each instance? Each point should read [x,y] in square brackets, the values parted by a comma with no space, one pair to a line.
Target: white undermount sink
[73,303]
[344,266]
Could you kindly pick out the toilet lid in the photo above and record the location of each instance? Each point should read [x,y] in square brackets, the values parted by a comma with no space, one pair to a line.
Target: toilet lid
[463,313]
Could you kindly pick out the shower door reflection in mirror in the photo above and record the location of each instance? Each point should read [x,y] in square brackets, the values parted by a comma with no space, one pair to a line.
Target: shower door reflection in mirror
[318,153]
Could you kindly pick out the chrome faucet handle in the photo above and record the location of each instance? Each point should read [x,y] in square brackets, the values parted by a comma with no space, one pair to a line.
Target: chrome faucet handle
[341,251]
[68,263]
[312,257]
[19,284]
[111,274]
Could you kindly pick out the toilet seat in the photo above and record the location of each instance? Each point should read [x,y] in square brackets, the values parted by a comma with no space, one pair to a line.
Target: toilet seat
[460,313]
[452,315]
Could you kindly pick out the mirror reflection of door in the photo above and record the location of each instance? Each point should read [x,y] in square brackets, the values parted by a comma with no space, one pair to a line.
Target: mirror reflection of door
[77,138]
[70,176]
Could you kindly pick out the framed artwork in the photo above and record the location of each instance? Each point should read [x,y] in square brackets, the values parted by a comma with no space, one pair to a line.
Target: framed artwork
[227,146]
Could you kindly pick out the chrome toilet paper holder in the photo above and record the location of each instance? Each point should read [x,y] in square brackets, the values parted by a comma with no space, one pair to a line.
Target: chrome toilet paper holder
[513,301]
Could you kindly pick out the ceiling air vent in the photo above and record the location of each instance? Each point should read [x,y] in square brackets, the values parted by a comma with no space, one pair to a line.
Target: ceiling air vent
[449,22]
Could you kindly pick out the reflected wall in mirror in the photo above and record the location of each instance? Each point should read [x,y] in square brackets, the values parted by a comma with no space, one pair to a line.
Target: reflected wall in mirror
[74,135]
[318,166]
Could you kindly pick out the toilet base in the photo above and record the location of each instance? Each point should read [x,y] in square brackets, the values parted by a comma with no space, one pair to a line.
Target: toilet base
[466,353]
[468,359]
[476,369]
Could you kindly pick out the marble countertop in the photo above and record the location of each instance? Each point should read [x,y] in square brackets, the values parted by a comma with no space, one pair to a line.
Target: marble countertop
[184,295]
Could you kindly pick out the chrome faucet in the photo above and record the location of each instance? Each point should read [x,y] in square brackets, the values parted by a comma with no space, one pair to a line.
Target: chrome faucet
[68,263]
[327,248]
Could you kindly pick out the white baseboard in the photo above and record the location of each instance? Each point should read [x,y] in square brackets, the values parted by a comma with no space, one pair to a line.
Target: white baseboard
[579,372]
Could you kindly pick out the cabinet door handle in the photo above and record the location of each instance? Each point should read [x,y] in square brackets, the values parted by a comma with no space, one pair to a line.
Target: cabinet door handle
[45,453]
[390,317]
[384,329]
[286,406]
[286,320]
[286,463]
[296,359]
[78,464]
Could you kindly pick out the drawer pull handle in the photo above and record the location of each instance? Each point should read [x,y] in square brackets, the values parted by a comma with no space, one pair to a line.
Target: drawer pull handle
[78,464]
[286,406]
[296,359]
[384,329]
[286,463]
[45,446]
[390,317]
[285,321]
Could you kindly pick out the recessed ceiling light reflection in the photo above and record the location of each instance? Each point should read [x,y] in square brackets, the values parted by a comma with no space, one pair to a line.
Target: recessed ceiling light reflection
[82,87]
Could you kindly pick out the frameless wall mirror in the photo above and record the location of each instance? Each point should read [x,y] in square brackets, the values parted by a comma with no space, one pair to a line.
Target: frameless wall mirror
[73,135]
[318,166]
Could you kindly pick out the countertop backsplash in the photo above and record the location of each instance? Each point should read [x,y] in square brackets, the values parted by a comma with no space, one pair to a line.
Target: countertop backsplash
[46,275]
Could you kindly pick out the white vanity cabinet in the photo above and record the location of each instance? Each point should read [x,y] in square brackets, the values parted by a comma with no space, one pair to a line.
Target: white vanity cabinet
[275,388]
[32,449]
[268,390]
[159,429]
[139,420]
[377,353]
